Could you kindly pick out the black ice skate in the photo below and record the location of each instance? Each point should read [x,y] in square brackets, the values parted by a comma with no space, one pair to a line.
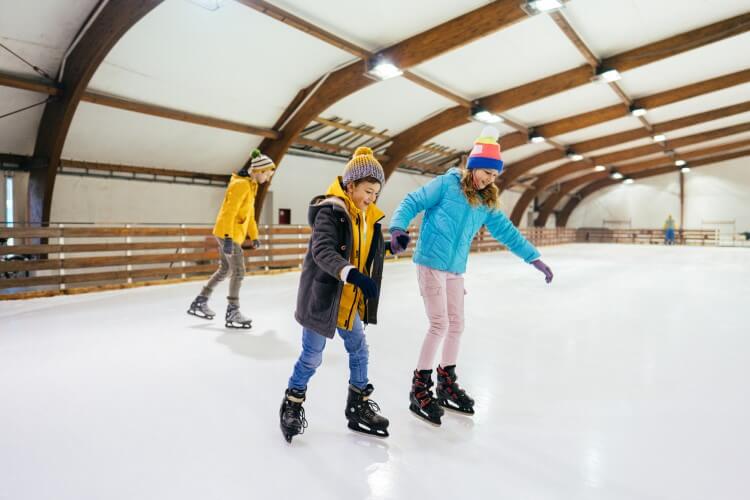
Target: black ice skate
[449,394]
[292,414]
[200,308]
[235,319]
[362,412]
[422,403]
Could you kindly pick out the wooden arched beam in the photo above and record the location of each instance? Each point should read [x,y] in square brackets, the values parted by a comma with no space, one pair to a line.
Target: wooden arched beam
[548,206]
[602,115]
[514,171]
[403,143]
[595,186]
[115,19]
[410,52]
[551,176]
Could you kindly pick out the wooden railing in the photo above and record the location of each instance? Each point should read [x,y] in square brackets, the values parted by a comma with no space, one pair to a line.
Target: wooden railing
[647,236]
[77,258]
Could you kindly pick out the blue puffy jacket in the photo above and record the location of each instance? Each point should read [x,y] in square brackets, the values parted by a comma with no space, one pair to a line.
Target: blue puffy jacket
[450,223]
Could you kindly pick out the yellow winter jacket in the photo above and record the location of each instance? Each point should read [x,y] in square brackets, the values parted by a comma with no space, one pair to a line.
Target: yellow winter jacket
[237,215]
[363,227]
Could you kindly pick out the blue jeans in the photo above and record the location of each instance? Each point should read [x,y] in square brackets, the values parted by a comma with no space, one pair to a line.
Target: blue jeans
[312,356]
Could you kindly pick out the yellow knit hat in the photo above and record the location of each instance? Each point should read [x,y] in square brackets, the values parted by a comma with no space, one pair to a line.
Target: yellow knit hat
[363,164]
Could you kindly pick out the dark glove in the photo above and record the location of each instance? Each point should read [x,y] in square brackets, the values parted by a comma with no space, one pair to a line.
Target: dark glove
[227,245]
[255,244]
[544,268]
[364,283]
[399,241]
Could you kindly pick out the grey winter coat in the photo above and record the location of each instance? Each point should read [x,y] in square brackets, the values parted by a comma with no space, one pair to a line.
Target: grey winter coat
[329,251]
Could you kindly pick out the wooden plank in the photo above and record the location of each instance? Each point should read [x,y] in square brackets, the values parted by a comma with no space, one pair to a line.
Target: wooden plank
[109,261]
[102,247]
[175,114]
[562,23]
[694,90]
[31,84]
[30,232]
[109,167]
[138,231]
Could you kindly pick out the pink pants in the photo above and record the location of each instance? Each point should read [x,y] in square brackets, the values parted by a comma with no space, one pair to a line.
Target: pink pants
[443,295]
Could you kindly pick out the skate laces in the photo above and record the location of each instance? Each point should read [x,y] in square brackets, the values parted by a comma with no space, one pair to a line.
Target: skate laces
[370,407]
[297,412]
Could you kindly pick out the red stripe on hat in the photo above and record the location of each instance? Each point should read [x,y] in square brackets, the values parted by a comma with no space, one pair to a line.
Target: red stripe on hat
[486,151]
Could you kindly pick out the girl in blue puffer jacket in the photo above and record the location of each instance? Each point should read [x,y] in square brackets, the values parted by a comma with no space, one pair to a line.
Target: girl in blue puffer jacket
[456,205]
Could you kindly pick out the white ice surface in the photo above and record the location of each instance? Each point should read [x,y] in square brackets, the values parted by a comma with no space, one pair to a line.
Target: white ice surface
[625,379]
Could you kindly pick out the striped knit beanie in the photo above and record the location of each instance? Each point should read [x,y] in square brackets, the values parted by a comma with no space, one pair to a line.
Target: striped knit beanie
[260,162]
[486,151]
[363,164]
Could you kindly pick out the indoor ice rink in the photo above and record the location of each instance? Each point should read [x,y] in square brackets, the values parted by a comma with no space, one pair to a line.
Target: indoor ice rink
[604,353]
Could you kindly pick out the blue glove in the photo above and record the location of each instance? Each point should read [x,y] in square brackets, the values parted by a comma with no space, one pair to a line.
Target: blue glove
[256,244]
[227,245]
[364,283]
[544,268]
[399,241]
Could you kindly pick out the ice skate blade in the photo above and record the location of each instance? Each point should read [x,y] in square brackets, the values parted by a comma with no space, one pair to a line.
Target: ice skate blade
[381,433]
[462,411]
[197,315]
[288,435]
[239,326]
[421,417]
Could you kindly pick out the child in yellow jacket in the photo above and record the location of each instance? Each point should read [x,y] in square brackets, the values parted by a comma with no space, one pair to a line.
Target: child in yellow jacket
[235,222]
[339,290]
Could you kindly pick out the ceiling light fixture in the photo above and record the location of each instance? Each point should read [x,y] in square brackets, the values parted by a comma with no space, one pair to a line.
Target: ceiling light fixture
[572,155]
[637,110]
[481,114]
[534,7]
[535,137]
[606,75]
[380,68]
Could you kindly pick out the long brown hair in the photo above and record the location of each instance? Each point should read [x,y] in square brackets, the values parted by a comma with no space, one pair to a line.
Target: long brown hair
[489,196]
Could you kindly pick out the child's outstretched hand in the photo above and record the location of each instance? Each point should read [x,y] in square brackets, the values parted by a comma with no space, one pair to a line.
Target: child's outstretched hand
[544,268]
[399,241]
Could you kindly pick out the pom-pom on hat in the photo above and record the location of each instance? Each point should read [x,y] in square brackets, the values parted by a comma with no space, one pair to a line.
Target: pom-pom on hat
[363,164]
[260,162]
[486,151]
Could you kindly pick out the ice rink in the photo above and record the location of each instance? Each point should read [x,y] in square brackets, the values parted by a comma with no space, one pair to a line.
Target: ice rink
[625,379]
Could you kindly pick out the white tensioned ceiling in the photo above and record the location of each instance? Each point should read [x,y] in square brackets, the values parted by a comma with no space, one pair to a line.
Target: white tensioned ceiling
[233,63]
[375,25]
[24,31]
[503,60]
[240,65]
[613,27]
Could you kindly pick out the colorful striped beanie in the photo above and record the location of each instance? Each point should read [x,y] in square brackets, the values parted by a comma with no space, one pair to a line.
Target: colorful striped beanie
[486,151]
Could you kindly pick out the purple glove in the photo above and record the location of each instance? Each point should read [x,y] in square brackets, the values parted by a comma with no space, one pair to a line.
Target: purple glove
[544,268]
[399,241]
